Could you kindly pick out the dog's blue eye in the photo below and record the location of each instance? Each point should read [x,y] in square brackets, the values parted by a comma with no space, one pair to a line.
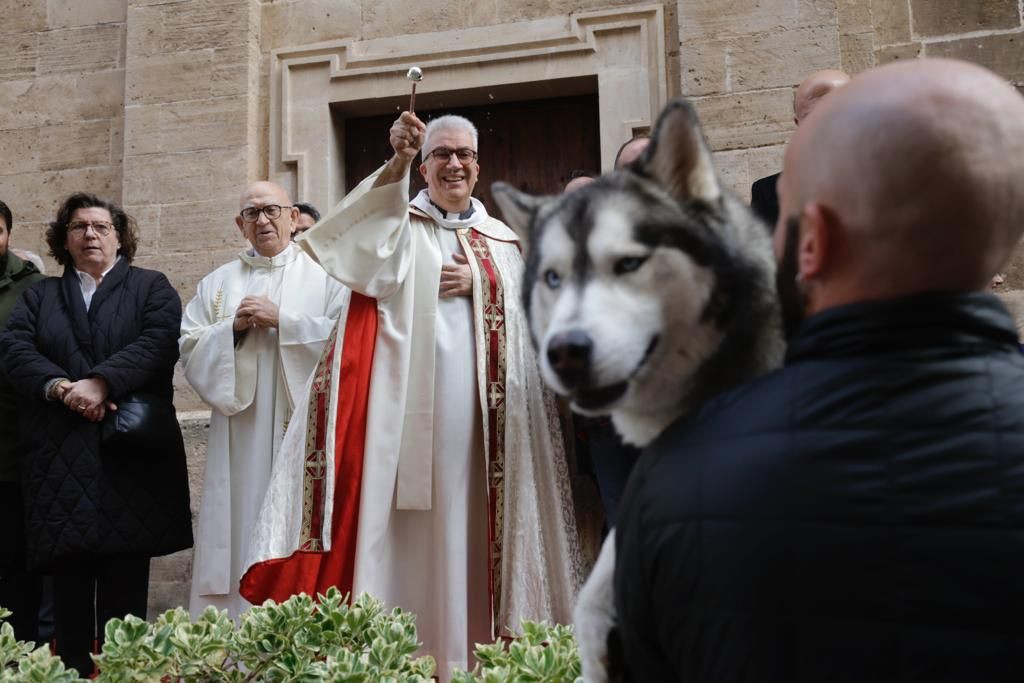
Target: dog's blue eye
[628,264]
[552,279]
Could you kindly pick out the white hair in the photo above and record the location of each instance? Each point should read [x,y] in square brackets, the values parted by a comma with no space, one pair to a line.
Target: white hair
[448,122]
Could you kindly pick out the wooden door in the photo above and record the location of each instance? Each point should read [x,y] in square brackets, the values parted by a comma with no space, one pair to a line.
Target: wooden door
[534,145]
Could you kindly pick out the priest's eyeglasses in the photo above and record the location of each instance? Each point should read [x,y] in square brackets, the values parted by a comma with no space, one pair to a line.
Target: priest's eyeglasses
[443,154]
[79,228]
[251,214]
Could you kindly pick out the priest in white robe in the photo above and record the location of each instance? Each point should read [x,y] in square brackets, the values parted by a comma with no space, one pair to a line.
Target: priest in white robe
[250,339]
[429,467]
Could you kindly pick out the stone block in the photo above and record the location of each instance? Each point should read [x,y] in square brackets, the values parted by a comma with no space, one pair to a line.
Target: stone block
[723,18]
[186,126]
[734,172]
[24,16]
[234,71]
[894,53]
[765,161]
[200,24]
[98,95]
[854,16]
[18,151]
[147,218]
[144,27]
[37,195]
[949,17]
[169,77]
[185,270]
[891,20]
[857,52]
[18,55]
[781,58]
[72,13]
[1003,53]
[704,66]
[301,22]
[74,145]
[167,178]
[77,50]
[749,119]
[203,224]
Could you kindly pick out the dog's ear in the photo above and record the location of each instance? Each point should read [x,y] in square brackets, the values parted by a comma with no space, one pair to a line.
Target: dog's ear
[518,209]
[678,157]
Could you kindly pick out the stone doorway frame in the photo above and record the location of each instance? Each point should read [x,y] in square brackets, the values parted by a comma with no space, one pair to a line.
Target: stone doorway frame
[622,49]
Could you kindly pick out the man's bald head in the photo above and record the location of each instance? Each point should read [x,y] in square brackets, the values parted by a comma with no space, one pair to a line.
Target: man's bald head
[813,88]
[266,218]
[909,179]
[264,188]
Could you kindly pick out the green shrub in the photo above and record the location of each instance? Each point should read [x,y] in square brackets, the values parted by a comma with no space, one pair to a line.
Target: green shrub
[297,641]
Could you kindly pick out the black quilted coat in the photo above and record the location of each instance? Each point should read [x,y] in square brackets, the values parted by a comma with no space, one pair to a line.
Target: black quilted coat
[855,517]
[84,498]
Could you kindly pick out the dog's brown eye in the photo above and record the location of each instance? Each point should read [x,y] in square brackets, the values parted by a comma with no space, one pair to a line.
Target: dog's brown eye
[628,264]
[552,279]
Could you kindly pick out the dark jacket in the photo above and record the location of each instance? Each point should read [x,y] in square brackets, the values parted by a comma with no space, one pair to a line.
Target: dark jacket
[764,200]
[15,277]
[857,516]
[84,497]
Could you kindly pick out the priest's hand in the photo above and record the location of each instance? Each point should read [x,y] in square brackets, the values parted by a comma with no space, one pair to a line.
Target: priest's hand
[256,312]
[457,279]
[406,137]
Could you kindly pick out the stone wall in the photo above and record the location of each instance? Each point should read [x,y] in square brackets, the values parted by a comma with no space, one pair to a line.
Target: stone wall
[163,105]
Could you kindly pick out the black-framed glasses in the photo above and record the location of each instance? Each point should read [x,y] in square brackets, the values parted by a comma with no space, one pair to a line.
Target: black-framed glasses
[101,228]
[443,154]
[251,214]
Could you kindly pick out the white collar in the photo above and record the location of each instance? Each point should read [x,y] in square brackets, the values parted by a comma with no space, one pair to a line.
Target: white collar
[82,274]
[423,203]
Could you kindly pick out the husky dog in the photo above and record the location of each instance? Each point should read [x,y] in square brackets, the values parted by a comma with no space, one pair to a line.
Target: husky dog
[647,292]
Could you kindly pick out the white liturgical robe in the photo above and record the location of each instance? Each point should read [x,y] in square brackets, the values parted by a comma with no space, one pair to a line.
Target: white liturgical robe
[465,511]
[252,387]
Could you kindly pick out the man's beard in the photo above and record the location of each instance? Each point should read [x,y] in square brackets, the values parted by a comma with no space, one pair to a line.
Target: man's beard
[792,301]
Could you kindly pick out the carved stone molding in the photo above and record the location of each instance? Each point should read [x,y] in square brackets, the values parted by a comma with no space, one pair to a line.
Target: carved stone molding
[619,53]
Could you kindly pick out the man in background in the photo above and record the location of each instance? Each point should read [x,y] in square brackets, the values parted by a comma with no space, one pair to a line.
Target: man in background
[308,216]
[20,590]
[763,198]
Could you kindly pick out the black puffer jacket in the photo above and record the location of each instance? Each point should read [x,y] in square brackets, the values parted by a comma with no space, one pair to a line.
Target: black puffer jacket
[84,497]
[15,277]
[857,516]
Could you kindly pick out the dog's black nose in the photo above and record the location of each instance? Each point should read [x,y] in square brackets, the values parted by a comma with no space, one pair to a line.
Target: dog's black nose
[569,356]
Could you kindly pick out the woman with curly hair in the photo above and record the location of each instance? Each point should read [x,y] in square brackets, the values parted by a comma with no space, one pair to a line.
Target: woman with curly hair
[101,497]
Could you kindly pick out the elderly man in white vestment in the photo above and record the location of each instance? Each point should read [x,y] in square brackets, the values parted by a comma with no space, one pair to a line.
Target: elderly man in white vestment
[249,341]
[461,509]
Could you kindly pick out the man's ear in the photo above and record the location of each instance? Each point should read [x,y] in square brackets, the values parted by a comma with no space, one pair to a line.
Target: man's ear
[818,226]
[678,157]
[295,220]
[518,209]
[241,226]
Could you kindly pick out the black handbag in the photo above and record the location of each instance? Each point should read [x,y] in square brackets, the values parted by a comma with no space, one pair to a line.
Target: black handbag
[139,419]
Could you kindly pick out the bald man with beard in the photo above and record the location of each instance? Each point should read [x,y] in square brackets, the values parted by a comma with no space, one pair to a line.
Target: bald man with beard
[764,198]
[250,339]
[859,514]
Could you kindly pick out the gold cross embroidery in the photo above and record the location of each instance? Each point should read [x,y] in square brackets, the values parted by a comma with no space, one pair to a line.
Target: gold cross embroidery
[494,317]
[495,395]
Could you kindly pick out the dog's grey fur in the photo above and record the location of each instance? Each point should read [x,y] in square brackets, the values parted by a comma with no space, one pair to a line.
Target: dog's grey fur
[667,281]
[704,292]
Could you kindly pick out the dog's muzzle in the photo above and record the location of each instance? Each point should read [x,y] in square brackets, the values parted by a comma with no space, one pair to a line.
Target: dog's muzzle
[569,357]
